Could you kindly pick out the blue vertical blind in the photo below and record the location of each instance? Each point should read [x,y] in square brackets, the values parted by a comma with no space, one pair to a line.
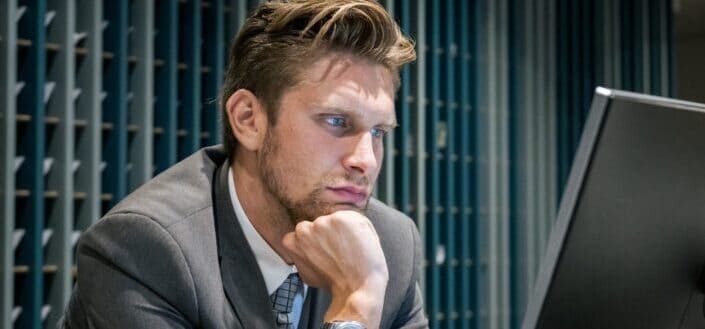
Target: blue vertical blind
[100,96]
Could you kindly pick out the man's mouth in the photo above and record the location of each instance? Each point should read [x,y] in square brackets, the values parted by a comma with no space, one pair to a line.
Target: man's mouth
[349,194]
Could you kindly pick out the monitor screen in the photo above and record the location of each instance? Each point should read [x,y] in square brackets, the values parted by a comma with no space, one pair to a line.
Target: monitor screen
[628,246]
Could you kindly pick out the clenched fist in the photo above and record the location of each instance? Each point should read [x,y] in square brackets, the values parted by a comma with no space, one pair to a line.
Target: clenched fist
[341,252]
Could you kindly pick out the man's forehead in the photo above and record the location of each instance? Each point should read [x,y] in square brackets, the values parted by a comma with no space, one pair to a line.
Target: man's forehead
[337,66]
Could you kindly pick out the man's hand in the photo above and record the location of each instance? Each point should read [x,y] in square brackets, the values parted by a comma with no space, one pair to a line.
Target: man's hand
[341,252]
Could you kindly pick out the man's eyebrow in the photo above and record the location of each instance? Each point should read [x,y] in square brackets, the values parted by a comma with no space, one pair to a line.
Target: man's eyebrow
[355,114]
[390,126]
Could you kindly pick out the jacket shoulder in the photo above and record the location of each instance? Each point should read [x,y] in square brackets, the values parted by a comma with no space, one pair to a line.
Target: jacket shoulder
[178,192]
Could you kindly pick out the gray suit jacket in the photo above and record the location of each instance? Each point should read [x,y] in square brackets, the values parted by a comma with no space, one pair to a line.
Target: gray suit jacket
[172,255]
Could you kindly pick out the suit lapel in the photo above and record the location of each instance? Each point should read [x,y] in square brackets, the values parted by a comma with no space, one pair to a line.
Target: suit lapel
[242,280]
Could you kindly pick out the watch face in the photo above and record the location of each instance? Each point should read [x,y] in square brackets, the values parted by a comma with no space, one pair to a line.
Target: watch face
[346,325]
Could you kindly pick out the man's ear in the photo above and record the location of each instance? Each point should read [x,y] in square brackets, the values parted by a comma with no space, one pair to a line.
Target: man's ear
[247,118]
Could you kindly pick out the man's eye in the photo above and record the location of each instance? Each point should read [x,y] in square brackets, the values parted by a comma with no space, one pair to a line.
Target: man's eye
[336,122]
[378,132]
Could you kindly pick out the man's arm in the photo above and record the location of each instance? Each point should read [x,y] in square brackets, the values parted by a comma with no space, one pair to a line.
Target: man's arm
[132,274]
[411,314]
[341,253]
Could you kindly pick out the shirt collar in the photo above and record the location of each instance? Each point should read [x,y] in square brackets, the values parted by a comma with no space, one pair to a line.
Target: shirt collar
[274,269]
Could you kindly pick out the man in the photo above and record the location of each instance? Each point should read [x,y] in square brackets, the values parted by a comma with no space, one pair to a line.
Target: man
[275,229]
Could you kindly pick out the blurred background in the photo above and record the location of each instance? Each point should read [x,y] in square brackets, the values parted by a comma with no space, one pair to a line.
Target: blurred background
[100,96]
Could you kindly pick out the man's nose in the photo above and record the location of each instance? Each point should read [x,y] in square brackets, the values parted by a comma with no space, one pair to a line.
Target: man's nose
[362,157]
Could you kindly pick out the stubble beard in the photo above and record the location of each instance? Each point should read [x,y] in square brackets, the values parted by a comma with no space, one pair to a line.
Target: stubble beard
[308,208]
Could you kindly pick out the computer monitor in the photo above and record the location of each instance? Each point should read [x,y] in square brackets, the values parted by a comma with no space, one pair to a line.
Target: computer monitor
[628,246]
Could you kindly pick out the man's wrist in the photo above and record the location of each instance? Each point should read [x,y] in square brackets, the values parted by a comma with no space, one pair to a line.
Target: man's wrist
[363,305]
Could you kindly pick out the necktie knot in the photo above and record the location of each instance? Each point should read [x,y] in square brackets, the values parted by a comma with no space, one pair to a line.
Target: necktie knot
[283,299]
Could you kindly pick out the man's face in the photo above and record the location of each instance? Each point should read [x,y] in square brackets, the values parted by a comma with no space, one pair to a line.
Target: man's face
[325,151]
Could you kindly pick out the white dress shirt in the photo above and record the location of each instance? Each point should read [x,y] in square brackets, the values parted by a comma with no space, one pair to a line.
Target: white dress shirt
[274,269]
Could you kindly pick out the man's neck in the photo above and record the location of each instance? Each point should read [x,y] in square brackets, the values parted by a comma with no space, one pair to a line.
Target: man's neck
[267,216]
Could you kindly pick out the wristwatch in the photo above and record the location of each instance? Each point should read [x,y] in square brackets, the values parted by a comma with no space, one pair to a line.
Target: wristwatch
[343,325]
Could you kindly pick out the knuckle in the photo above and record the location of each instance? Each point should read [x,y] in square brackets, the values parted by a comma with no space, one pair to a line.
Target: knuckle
[303,228]
[323,222]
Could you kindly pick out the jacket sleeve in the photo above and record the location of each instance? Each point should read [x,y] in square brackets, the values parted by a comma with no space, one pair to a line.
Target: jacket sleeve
[412,315]
[132,274]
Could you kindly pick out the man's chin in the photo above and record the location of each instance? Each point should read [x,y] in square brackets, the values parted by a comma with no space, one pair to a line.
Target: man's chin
[348,206]
[329,209]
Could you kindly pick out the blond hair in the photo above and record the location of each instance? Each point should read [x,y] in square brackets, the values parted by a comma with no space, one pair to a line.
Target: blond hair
[281,38]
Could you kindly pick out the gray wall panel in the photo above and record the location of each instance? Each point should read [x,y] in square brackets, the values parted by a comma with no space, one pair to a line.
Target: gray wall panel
[140,146]
[8,78]
[492,170]
[60,140]
[89,15]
